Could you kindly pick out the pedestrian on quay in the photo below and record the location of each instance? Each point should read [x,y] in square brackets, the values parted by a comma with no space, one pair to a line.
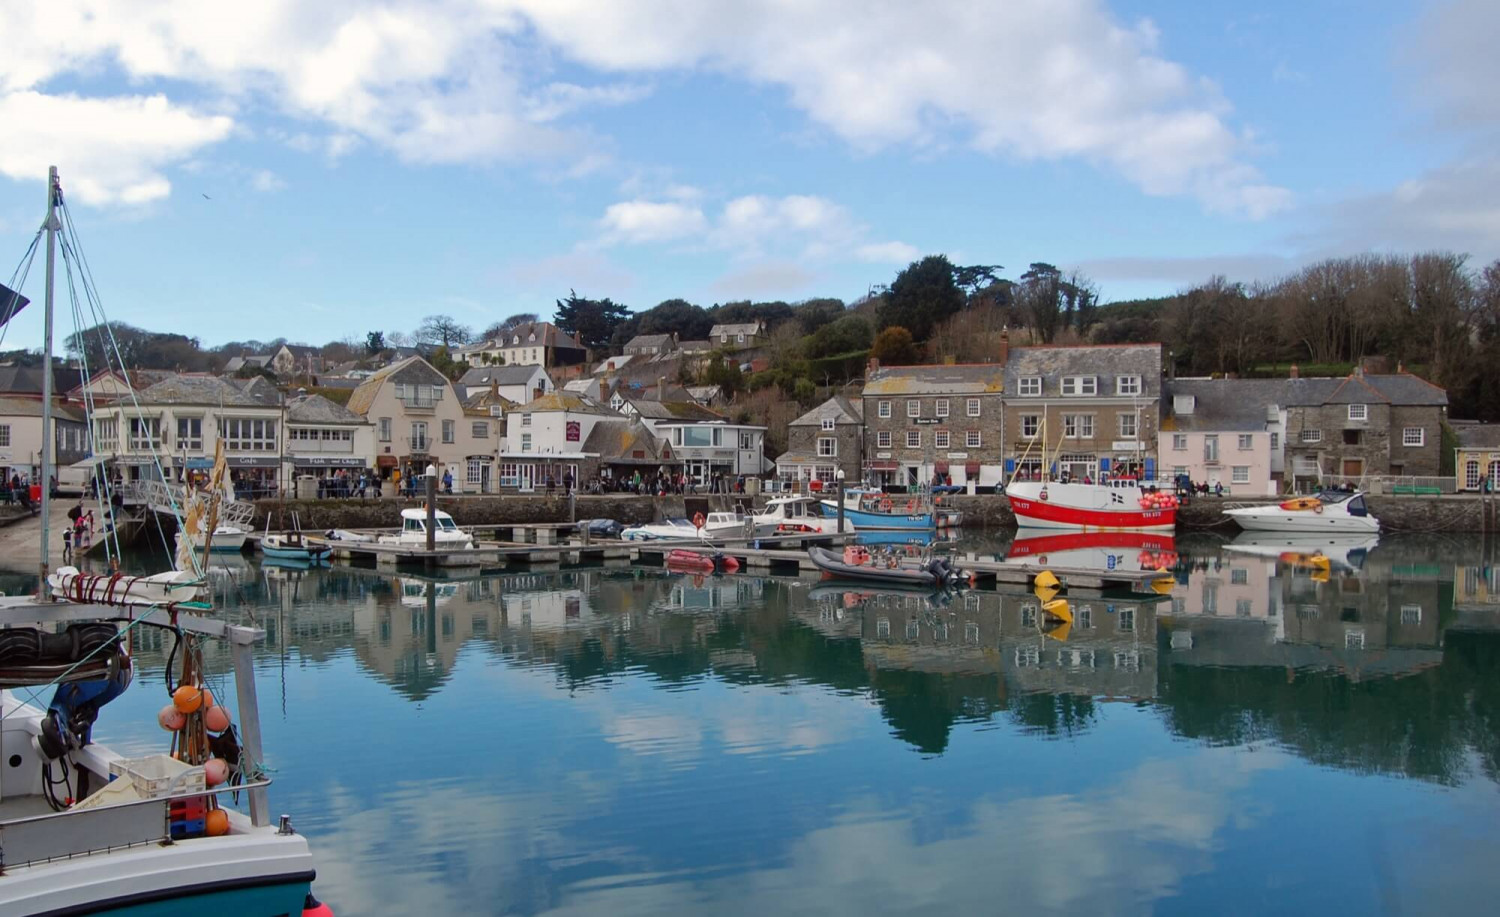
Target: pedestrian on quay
[448,481]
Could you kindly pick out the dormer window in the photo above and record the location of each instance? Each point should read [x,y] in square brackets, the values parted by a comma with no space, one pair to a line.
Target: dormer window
[1080,385]
[516,339]
[1127,385]
[1029,386]
[532,339]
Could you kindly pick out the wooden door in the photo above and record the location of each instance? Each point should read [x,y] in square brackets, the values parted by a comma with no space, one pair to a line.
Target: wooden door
[1353,468]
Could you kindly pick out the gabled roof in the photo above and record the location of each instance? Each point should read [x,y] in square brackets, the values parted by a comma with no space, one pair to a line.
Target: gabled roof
[674,410]
[1477,435]
[317,409]
[944,379]
[614,364]
[570,402]
[27,380]
[627,444]
[695,346]
[703,394]
[740,328]
[517,374]
[547,335]
[1106,361]
[649,340]
[483,399]
[410,370]
[210,391]
[840,408]
[32,407]
[1401,388]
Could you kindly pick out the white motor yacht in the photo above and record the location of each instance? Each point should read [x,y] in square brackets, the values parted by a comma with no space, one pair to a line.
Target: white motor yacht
[413,532]
[798,515]
[1330,511]
[714,525]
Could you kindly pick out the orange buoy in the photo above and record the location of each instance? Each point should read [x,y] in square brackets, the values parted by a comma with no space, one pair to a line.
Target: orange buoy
[171,719]
[208,699]
[216,822]
[188,698]
[698,520]
[312,907]
[215,719]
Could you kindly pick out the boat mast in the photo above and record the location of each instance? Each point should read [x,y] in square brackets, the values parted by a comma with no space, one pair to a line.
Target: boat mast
[52,226]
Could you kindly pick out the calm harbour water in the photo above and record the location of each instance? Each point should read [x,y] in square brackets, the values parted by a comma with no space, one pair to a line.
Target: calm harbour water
[1269,738]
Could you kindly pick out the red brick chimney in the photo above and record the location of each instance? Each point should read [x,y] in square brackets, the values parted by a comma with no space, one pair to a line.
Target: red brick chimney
[1004,354]
[873,365]
[1292,374]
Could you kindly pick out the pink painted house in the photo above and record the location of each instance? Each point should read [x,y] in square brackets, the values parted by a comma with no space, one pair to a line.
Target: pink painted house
[1228,432]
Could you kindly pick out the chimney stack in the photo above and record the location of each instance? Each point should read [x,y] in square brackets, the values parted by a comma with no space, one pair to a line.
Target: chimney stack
[872,365]
[661,389]
[1292,373]
[1004,354]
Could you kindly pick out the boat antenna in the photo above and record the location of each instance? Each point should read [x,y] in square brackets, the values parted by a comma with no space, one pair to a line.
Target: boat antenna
[52,225]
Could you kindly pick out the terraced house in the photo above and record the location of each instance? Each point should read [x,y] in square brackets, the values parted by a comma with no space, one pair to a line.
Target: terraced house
[925,421]
[1386,424]
[1089,409]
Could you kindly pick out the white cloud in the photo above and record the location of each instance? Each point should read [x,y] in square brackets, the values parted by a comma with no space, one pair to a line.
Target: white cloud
[887,253]
[469,80]
[108,150]
[770,278]
[1454,206]
[651,221]
[265,181]
[1039,79]
[1453,53]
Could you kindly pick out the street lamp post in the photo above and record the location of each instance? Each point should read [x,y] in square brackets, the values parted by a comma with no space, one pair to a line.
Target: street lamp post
[839,477]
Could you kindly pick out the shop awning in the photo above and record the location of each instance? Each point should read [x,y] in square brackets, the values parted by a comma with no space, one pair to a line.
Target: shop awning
[971,468]
[198,463]
[940,467]
[385,461]
[252,461]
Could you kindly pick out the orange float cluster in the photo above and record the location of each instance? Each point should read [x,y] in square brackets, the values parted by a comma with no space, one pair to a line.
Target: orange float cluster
[190,701]
[1159,500]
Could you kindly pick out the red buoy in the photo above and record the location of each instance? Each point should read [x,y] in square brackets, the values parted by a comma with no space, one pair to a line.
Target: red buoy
[312,907]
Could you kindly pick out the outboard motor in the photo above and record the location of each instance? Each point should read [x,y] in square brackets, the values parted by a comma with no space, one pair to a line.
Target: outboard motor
[69,721]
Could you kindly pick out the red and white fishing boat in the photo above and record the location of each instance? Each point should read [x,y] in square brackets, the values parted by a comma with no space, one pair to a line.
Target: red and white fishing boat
[1111,507]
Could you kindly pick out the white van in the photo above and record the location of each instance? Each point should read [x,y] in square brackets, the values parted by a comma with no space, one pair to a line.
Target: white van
[73,480]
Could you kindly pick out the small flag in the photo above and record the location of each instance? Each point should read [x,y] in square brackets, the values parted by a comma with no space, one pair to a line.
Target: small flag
[11,302]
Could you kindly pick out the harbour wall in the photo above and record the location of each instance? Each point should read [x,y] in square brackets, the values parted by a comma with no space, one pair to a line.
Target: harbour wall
[1396,513]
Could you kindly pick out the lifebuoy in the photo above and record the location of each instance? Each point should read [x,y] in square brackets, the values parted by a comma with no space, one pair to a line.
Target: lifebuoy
[1318,508]
[885,504]
[911,506]
[698,521]
[1043,494]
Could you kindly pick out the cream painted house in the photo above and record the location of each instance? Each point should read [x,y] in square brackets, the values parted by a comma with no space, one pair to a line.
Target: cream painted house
[21,436]
[418,418]
[324,438]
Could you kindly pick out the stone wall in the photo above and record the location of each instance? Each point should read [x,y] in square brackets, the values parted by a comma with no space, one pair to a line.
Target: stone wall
[359,514]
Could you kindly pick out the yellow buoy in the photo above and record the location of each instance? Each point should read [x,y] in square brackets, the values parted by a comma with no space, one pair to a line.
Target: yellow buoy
[1060,632]
[1058,608]
[1045,593]
[1319,561]
[1163,585]
[1046,580]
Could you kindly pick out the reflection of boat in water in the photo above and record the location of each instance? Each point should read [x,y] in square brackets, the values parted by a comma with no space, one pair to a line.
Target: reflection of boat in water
[1346,550]
[856,563]
[1330,511]
[1095,550]
[850,593]
[414,592]
[274,561]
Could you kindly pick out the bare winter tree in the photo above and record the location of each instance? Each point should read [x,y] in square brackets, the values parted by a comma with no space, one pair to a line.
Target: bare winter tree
[443,331]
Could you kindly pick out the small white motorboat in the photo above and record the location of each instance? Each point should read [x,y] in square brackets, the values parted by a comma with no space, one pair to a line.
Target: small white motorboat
[445,534]
[224,538]
[714,525]
[797,516]
[1329,511]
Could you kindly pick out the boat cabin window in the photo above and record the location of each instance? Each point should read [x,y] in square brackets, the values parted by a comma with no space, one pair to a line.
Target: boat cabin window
[1357,506]
[794,510]
[446,524]
[413,525]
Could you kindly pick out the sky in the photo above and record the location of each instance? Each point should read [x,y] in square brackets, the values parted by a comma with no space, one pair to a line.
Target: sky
[317,171]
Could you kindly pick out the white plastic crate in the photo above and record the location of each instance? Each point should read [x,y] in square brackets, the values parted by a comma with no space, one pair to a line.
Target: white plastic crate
[158,775]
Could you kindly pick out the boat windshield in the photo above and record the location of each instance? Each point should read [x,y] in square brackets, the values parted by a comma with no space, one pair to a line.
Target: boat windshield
[413,525]
[446,524]
[1332,496]
[1356,506]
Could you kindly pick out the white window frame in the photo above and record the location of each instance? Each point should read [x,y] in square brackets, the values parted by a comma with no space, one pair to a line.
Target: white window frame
[883,409]
[941,407]
[1417,440]
[883,439]
[913,407]
[1359,412]
[1312,436]
[4,435]
[913,439]
[1078,426]
[1179,442]
[1239,474]
[385,429]
[1080,386]
[1034,421]
[827,425]
[832,447]
[479,429]
[1211,447]
[1127,385]
[940,439]
[973,407]
[1129,425]
[973,439]
[450,431]
[1246,442]
[1029,387]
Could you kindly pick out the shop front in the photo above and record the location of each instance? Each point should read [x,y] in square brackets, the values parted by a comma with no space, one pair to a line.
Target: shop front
[253,476]
[528,472]
[337,475]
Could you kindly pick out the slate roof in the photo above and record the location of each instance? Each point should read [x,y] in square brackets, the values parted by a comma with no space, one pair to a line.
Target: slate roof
[259,388]
[841,408]
[617,443]
[28,379]
[205,390]
[1383,388]
[1477,435]
[480,401]
[565,401]
[945,379]
[517,374]
[317,409]
[703,394]
[674,410]
[411,369]
[32,407]
[659,341]
[745,328]
[695,346]
[1227,405]
[547,335]
[1105,361]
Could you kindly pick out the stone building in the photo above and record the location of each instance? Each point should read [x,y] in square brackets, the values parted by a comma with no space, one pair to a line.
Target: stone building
[1362,425]
[922,421]
[1101,403]
[824,441]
